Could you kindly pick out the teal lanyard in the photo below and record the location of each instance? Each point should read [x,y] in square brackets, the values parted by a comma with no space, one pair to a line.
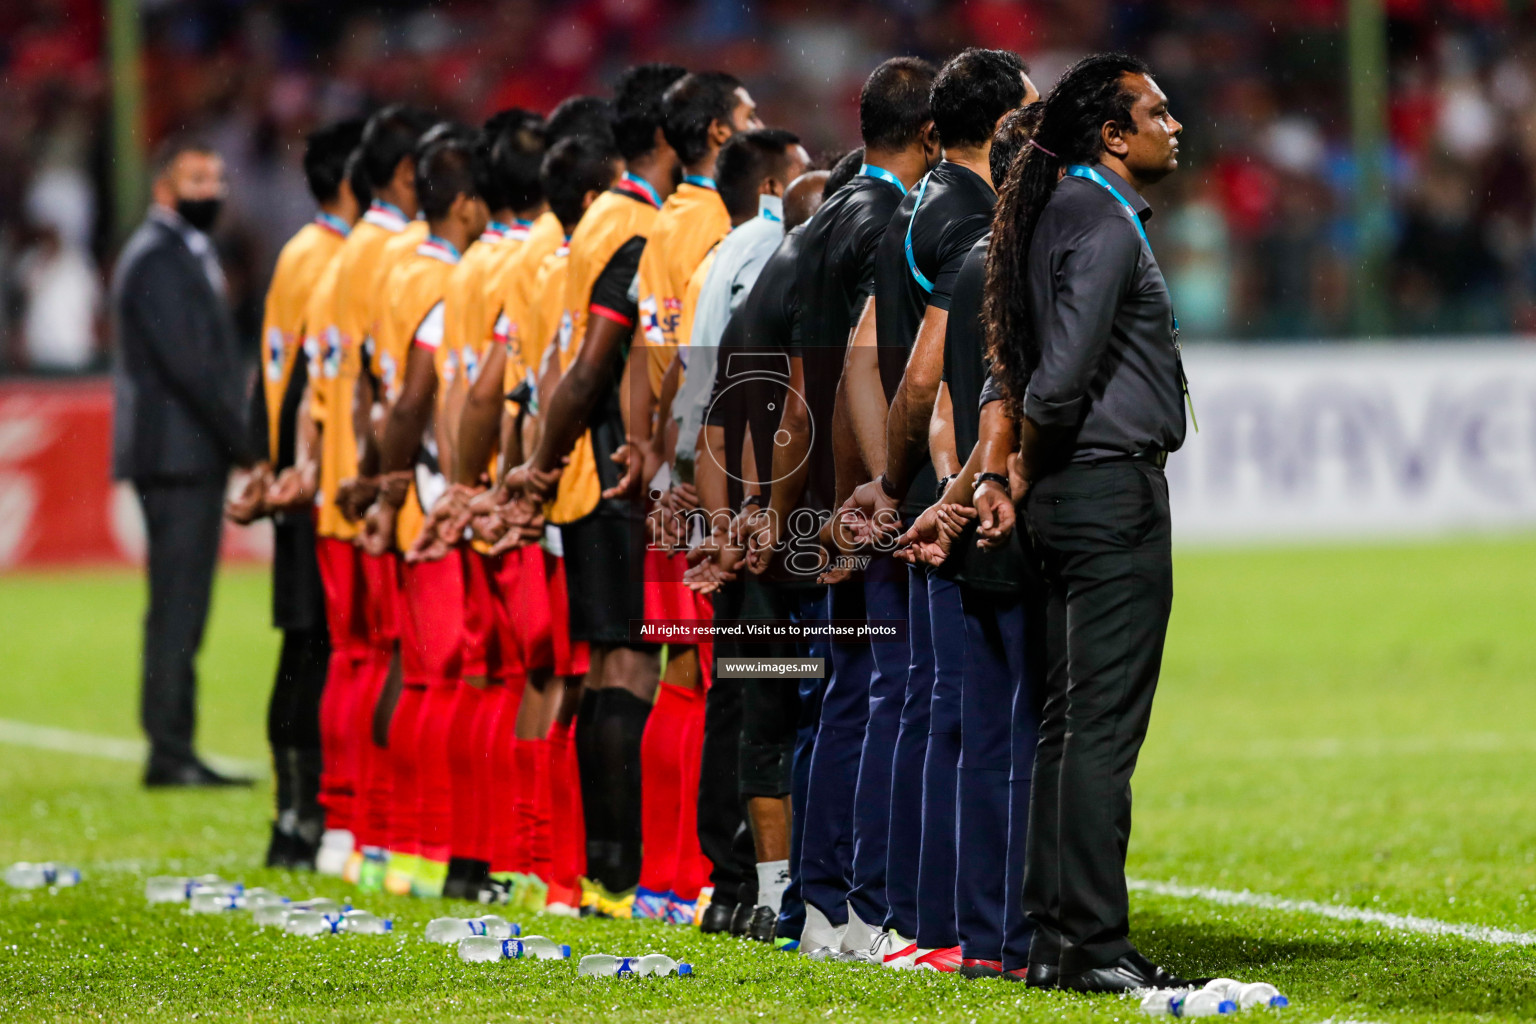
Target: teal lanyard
[1089,174]
[637,182]
[701,182]
[917,275]
[881,174]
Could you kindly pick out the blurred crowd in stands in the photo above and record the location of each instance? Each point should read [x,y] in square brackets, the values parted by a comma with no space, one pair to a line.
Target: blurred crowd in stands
[1257,234]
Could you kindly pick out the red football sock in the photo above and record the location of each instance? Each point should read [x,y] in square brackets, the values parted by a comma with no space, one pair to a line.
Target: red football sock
[503,818]
[568,837]
[693,868]
[487,721]
[338,754]
[662,786]
[522,811]
[435,786]
[405,769]
[541,851]
[462,755]
[373,769]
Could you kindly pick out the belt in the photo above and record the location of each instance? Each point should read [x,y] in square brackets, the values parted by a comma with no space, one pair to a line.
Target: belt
[1154,457]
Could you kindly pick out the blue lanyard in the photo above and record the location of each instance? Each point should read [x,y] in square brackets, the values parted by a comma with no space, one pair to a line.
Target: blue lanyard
[645,186]
[699,181]
[520,222]
[498,226]
[335,223]
[1088,173]
[871,171]
[917,275]
[439,240]
[1083,171]
[380,204]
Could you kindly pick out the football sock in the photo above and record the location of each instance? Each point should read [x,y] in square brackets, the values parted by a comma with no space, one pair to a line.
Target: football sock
[619,725]
[663,777]
[772,880]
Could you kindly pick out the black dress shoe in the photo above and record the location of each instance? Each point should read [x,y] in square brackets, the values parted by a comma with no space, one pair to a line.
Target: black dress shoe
[1131,971]
[717,918]
[187,774]
[764,922]
[1047,976]
[741,921]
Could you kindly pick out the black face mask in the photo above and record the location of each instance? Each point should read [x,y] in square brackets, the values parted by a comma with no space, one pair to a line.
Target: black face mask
[200,213]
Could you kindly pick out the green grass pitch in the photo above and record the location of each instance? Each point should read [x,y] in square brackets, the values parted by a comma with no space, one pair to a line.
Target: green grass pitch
[1351,726]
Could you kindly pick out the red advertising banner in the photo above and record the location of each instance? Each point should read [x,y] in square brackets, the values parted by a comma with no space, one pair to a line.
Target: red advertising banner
[59,505]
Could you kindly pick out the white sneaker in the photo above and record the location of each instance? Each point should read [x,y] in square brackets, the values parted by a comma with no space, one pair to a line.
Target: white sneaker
[335,850]
[900,952]
[820,933]
[858,937]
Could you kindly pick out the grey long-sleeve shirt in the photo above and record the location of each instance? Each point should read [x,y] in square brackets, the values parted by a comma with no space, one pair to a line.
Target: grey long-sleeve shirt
[1109,369]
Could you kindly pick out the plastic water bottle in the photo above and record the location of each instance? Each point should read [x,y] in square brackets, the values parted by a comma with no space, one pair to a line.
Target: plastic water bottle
[482,949]
[323,905]
[1260,994]
[311,922]
[214,901]
[360,922]
[659,965]
[1224,987]
[1201,1004]
[23,875]
[168,889]
[537,947]
[452,929]
[604,965]
[272,914]
[257,898]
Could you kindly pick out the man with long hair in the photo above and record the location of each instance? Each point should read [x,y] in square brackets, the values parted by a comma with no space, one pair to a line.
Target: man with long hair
[1082,333]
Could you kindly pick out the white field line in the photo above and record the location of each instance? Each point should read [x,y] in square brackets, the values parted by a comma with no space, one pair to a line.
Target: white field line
[112,748]
[1395,922]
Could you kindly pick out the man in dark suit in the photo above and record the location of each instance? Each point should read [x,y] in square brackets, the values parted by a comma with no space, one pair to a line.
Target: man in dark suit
[179,426]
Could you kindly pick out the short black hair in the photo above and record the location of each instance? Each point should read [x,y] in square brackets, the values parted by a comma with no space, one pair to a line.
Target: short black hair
[843,170]
[325,157]
[390,136]
[182,142]
[637,106]
[447,166]
[894,104]
[973,89]
[574,166]
[691,105]
[580,115]
[746,160]
[1011,138]
[357,177]
[514,148]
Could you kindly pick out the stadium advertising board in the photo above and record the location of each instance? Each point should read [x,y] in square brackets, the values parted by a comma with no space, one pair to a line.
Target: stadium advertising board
[1357,441]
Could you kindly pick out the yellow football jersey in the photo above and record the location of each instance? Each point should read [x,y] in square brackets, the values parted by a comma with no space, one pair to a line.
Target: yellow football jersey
[415,315]
[613,222]
[692,221]
[282,328]
[333,370]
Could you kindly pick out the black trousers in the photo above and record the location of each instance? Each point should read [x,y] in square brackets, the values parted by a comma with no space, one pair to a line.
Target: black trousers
[724,836]
[1102,534]
[182,519]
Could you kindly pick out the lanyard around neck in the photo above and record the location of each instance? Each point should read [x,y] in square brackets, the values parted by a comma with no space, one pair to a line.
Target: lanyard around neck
[881,174]
[917,275]
[700,181]
[1089,174]
[635,181]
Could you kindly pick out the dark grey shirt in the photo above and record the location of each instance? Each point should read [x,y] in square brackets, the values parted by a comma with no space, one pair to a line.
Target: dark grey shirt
[1109,369]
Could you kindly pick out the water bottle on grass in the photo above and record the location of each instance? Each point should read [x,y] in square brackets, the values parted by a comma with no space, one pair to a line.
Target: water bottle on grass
[36,876]
[360,922]
[311,922]
[1260,994]
[605,965]
[452,929]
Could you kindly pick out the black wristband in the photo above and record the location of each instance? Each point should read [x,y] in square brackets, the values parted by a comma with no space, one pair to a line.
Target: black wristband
[944,483]
[885,486]
[751,499]
[996,478]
